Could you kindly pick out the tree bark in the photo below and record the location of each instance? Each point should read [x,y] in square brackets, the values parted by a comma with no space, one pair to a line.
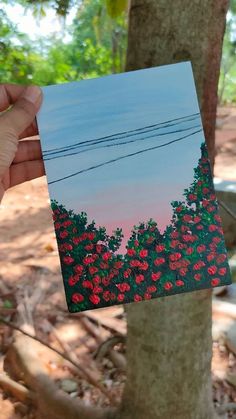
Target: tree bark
[169,339]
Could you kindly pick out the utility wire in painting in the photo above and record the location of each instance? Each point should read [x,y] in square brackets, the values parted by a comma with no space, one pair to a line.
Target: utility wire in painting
[120,143]
[124,157]
[124,134]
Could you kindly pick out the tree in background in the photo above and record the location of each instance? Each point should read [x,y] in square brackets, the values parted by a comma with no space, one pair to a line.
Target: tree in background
[169,340]
[99,34]
[97,46]
[227,92]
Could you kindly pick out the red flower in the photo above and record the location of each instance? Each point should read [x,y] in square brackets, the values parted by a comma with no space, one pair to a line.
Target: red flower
[168,286]
[222,271]
[215,282]
[139,278]
[88,259]
[118,264]
[159,261]
[187,218]
[188,238]
[216,240]
[78,269]
[63,234]
[136,243]
[98,248]
[94,298]
[189,250]
[76,240]
[210,257]
[137,298]
[144,266]
[173,266]
[143,253]
[68,246]
[179,282]
[183,271]
[91,236]
[147,296]
[211,208]
[192,197]
[221,258]
[73,280]
[174,243]
[96,279]
[199,227]
[212,228]
[151,288]
[87,284]
[197,219]
[179,209]
[127,273]
[135,263]
[212,270]
[67,223]
[57,225]
[217,218]
[160,248]
[93,270]
[156,276]
[150,240]
[120,297]
[104,265]
[106,281]
[205,191]
[68,260]
[106,256]
[89,247]
[106,295]
[197,277]
[174,235]
[201,248]
[77,298]
[205,203]
[131,252]
[123,287]
[97,289]
[175,256]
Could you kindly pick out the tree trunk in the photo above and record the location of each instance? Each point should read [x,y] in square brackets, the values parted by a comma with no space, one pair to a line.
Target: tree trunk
[169,339]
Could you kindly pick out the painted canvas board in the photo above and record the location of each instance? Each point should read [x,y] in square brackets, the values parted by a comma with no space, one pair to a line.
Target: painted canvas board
[134,208]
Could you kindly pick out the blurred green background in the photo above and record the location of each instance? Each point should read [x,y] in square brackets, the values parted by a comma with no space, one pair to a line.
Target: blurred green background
[56,41]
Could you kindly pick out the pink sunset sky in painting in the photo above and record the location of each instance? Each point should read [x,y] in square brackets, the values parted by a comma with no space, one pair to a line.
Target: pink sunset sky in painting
[121,148]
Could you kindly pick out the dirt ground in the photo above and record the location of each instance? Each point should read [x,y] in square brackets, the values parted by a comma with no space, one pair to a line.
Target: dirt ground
[30,277]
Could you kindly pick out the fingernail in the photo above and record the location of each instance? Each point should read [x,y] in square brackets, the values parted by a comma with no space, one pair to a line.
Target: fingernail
[32,94]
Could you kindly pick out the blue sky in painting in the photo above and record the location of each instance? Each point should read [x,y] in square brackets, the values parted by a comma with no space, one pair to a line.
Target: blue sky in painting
[136,188]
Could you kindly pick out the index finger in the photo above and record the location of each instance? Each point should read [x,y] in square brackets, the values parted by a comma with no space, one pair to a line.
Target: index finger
[9,93]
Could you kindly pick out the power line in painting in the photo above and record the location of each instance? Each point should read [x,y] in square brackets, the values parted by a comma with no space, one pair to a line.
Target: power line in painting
[62,154]
[124,134]
[124,157]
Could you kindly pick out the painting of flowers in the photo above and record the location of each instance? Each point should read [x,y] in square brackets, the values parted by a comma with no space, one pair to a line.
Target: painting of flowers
[134,207]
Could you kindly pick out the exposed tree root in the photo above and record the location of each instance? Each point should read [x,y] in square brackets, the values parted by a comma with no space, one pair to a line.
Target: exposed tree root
[24,362]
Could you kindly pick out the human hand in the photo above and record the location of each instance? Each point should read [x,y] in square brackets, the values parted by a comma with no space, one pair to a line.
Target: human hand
[19,160]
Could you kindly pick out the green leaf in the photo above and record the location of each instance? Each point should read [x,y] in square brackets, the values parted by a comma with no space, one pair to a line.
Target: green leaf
[115,7]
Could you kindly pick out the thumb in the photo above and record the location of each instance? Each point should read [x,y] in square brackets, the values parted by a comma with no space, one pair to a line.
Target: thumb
[23,112]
